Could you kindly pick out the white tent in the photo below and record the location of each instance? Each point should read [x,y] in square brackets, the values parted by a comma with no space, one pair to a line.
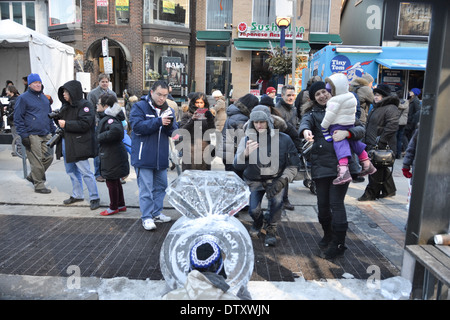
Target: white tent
[51,59]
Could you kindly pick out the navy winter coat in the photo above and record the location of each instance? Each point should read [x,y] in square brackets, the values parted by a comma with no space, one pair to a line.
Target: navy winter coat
[31,114]
[150,139]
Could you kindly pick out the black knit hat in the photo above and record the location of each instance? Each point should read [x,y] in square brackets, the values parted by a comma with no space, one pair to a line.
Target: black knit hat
[316,86]
[383,89]
[249,100]
[266,101]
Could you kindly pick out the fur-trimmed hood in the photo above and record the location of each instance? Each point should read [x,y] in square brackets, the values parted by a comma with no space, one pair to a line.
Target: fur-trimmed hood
[114,110]
[338,83]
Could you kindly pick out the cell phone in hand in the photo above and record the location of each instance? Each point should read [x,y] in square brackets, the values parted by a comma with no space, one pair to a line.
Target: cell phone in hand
[201,110]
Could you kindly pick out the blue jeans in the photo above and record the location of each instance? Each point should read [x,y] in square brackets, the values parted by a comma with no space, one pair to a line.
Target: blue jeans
[152,185]
[78,172]
[275,205]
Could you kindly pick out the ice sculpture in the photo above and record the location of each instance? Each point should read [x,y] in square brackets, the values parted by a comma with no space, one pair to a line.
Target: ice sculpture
[208,200]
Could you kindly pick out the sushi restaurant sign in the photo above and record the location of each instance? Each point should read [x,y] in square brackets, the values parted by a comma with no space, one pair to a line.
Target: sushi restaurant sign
[266,31]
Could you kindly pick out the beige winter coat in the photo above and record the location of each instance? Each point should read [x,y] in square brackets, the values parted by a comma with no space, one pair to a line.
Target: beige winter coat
[360,86]
[221,113]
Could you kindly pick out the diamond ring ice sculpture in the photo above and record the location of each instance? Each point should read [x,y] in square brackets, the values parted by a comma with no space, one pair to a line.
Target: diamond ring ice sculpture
[207,200]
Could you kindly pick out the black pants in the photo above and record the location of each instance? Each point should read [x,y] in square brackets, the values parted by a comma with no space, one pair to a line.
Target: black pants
[381,183]
[330,202]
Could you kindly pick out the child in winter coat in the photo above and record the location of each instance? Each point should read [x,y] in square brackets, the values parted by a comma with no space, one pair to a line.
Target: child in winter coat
[112,152]
[340,115]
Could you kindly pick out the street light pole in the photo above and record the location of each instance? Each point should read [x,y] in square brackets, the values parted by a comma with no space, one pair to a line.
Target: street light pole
[294,40]
[282,23]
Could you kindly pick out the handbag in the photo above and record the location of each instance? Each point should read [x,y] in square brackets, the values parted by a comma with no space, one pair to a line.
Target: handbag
[381,157]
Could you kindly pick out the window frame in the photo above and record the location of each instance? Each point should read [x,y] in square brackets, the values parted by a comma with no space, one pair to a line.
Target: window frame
[150,20]
[329,18]
[23,6]
[107,11]
[77,15]
[208,18]
[411,36]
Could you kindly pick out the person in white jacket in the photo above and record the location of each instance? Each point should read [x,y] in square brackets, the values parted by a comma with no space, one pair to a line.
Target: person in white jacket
[339,116]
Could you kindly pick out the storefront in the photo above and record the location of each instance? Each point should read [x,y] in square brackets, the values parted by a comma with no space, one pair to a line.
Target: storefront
[402,68]
[166,37]
[260,39]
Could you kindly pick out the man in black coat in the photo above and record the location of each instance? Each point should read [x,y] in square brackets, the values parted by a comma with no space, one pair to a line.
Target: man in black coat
[77,119]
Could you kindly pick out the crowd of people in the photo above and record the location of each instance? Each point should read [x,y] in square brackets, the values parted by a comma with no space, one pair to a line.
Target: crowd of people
[258,138]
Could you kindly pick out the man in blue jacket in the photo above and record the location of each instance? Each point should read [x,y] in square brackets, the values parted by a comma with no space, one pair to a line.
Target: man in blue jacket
[152,122]
[35,128]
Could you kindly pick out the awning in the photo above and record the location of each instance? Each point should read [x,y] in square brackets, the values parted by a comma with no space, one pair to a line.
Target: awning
[324,38]
[205,35]
[403,64]
[264,45]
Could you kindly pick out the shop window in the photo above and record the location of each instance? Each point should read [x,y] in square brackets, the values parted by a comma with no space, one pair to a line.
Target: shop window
[167,12]
[217,67]
[320,16]
[122,12]
[64,11]
[414,19]
[20,12]
[264,11]
[167,63]
[219,14]
[101,12]
[260,70]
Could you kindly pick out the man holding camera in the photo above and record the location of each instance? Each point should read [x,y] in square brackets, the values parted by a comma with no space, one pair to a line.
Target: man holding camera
[35,128]
[77,119]
[152,121]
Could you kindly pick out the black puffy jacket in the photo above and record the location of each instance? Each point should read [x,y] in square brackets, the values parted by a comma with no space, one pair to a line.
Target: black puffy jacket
[323,157]
[112,153]
[79,131]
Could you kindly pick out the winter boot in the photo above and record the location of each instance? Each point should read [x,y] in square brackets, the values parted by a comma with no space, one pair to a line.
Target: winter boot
[271,235]
[327,235]
[343,175]
[254,231]
[337,246]
[367,168]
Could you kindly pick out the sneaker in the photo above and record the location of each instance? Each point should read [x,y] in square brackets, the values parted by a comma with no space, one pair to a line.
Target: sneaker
[95,204]
[343,175]
[72,200]
[162,218]
[148,224]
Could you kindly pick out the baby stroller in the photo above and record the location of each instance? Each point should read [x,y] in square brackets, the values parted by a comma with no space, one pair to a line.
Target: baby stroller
[305,166]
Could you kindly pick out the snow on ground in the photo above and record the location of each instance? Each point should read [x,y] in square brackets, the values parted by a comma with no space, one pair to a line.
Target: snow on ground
[331,289]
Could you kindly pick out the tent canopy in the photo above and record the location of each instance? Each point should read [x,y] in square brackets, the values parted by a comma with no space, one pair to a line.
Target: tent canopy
[51,59]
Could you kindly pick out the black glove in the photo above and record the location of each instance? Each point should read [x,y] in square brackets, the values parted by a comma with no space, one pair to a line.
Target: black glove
[276,187]
[26,142]
[208,115]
